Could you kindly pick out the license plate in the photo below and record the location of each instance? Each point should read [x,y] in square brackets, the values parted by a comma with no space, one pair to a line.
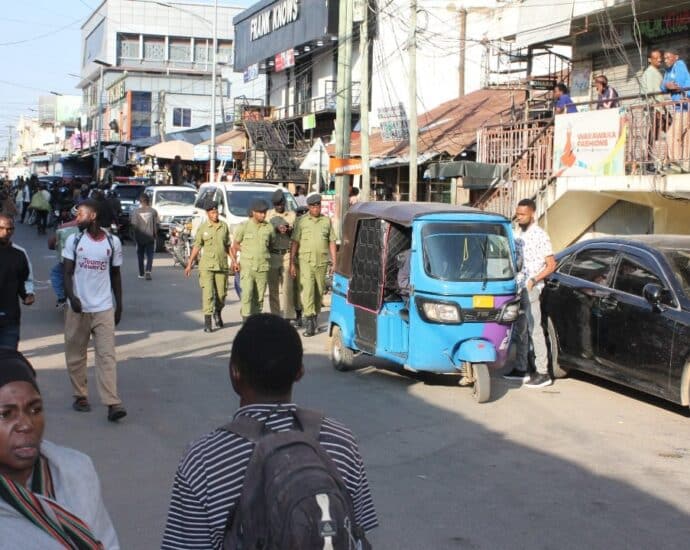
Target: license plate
[479,302]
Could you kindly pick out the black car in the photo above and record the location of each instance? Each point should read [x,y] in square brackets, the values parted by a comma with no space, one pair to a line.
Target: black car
[619,308]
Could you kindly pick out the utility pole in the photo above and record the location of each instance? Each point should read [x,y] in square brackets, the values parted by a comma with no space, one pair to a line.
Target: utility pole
[364,102]
[412,52]
[9,147]
[343,117]
[212,156]
[462,23]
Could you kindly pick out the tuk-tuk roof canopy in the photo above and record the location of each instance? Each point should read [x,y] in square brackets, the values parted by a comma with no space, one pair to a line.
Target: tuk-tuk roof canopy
[404,213]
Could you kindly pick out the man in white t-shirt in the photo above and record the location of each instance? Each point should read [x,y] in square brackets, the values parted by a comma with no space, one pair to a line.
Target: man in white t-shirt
[92,260]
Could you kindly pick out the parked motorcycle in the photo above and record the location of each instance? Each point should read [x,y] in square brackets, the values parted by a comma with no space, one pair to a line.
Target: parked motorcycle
[180,242]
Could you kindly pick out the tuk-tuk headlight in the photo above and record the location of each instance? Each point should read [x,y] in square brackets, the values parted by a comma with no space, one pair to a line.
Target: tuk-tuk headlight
[510,312]
[440,312]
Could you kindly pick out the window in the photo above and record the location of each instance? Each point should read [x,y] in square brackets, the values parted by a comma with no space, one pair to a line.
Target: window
[593,265]
[128,46]
[201,51]
[565,264]
[182,117]
[632,278]
[680,264]
[154,49]
[205,195]
[225,52]
[180,51]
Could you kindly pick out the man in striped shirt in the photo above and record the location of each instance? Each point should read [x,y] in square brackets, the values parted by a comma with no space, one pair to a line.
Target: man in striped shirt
[265,362]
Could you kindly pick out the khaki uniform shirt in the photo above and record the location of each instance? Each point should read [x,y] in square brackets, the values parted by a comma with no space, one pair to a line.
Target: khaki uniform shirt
[213,240]
[256,240]
[314,236]
[281,242]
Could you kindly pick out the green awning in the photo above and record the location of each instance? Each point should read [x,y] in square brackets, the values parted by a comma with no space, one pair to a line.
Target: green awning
[475,175]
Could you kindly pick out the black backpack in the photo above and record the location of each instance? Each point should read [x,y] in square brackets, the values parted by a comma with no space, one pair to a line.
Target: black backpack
[293,497]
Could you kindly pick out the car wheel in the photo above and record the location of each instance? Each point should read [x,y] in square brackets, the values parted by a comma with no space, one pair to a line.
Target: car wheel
[557,370]
[343,358]
[481,389]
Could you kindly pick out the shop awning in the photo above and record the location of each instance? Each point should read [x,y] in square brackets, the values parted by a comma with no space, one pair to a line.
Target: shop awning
[475,175]
[172,149]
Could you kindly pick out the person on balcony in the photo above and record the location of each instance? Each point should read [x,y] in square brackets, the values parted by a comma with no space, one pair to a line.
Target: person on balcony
[563,101]
[677,82]
[607,96]
[650,85]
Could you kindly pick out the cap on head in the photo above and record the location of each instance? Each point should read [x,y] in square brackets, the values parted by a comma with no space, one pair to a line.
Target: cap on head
[210,204]
[278,197]
[16,368]
[314,199]
[259,205]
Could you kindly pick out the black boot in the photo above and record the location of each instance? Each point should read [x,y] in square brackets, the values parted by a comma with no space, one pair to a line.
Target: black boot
[310,326]
[218,319]
[207,324]
[297,322]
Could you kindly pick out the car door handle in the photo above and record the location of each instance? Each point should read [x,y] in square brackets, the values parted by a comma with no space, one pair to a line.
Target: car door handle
[609,302]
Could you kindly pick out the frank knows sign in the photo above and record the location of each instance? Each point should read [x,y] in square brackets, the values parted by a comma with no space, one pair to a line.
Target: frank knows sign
[590,144]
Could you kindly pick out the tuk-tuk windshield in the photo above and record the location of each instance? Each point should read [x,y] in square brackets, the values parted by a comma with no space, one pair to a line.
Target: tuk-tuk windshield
[467,252]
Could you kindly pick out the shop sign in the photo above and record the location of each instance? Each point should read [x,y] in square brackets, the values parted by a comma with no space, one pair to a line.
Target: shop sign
[201,152]
[393,123]
[284,60]
[589,144]
[117,92]
[672,23]
[308,122]
[224,152]
[273,18]
[345,167]
[251,72]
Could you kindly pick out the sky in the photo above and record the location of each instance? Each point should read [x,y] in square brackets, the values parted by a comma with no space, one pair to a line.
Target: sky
[40,44]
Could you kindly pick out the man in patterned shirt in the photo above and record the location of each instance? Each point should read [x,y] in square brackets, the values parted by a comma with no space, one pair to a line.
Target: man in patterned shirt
[538,264]
[265,362]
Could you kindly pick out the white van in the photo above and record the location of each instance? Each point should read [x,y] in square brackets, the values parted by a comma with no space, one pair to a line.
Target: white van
[174,204]
[234,200]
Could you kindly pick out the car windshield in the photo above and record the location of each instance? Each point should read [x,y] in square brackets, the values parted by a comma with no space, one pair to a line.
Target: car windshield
[239,201]
[129,192]
[175,197]
[467,252]
[680,262]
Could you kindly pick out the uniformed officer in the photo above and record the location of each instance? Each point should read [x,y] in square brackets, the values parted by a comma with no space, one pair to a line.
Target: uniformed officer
[253,239]
[283,222]
[213,237]
[313,241]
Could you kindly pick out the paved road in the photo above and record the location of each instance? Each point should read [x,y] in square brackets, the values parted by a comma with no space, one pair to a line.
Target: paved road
[581,464]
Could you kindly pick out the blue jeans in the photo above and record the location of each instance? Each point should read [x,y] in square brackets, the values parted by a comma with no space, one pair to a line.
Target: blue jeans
[145,249]
[9,336]
[57,281]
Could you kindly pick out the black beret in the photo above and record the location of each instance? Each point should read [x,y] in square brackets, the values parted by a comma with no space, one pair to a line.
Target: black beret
[259,205]
[313,199]
[210,204]
[278,196]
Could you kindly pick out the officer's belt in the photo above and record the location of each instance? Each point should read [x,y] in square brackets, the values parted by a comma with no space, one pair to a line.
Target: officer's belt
[278,251]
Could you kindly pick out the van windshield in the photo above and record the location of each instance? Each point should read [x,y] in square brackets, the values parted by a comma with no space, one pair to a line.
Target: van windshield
[467,252]
[239,201]
[175,197]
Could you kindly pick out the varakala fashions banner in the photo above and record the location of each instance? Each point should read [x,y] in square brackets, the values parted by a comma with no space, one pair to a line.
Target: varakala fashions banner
[589,144]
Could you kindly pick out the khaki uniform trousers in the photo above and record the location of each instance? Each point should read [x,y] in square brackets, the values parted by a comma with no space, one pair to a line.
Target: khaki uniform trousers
[253,285]
[279,280]
[214,287]
[79,327]
[313,282]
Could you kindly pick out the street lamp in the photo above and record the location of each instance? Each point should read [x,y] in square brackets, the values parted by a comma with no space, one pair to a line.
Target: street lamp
[102,65]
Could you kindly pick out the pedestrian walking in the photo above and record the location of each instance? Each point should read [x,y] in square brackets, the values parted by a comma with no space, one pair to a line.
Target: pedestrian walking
[538,261]
[282,287]
[92,260]
[57,274]
[254,239]
[313,244]
[217,476]
[40,204]
[16,283]
[213,243]
[50,497]
[25,194]
[144,221]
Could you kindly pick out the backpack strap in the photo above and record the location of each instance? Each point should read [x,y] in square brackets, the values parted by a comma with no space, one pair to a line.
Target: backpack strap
[77,238]
[310,421]
[246,427]
[112,247]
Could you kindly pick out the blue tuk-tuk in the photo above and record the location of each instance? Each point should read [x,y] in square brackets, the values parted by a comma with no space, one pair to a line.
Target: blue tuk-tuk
[428,286]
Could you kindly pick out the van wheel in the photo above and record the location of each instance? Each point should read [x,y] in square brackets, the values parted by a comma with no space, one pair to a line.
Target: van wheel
[558,371]
[343,358]
[481,390]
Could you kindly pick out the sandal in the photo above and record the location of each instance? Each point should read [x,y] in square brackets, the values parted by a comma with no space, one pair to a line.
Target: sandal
[81,404]
[116,412]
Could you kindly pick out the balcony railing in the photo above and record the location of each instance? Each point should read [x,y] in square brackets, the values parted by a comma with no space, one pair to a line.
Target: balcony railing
[316,104]
[658,140]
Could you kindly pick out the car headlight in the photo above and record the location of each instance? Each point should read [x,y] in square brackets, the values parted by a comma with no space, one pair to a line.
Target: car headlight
[440,312]
[510,312]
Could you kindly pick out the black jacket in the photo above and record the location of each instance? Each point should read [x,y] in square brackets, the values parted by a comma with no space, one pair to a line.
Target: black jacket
[15,271]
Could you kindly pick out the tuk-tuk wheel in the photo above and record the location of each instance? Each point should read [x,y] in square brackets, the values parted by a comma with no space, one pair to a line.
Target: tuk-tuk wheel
[481,390]
[342,357]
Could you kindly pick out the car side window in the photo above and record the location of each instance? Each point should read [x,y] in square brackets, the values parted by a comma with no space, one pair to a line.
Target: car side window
[203,196]
[565,264]
[593,265]
[632,277]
